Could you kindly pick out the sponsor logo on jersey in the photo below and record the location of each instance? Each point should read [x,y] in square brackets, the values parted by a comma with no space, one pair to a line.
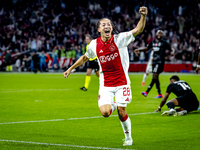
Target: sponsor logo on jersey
[157,44]
[110,57]
[156,49]
[112,47]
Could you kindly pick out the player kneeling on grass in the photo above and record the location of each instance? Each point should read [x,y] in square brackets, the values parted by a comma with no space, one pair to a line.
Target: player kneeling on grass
[186,99]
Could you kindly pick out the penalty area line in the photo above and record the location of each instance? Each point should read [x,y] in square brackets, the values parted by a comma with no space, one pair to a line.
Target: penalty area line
[62,145]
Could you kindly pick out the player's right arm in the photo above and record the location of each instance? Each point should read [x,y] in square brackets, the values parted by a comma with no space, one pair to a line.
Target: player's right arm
[83,59]
[142,49]
[162,103]
[141,24]
[148,47]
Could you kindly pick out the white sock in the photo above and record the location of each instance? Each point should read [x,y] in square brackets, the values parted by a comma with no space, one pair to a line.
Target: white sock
[144,77]
[126,125]
[113,107]
[172,109]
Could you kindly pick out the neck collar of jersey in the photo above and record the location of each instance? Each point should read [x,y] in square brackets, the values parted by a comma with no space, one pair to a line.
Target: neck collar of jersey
[109,41]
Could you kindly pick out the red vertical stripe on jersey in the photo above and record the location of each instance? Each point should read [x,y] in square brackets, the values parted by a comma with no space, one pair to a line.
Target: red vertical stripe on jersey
[110,61]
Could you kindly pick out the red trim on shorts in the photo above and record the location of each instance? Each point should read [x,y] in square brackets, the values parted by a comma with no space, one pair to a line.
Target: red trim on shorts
[124,118]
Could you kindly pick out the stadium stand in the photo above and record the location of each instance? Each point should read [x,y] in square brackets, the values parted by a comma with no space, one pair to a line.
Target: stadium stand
[47,25]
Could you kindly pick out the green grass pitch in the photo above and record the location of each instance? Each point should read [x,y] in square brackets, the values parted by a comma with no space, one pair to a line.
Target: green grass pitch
[49,112]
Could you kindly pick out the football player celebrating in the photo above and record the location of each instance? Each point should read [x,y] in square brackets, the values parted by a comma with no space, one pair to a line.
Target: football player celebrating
[186,99]
[112,54]
[158,46]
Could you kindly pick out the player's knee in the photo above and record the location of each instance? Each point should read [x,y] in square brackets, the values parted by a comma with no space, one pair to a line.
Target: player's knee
[170,105]
[88,74]
[105,113]
[121,112]
[155,76]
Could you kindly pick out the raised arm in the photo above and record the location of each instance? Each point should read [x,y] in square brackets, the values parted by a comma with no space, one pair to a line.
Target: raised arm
[141,24]
[162,102]
[78,63]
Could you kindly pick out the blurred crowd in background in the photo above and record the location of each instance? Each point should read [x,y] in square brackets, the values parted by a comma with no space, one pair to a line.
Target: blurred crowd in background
[46,34]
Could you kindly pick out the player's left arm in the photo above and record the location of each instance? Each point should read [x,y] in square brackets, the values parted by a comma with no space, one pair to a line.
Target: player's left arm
[141,24]
[162,103]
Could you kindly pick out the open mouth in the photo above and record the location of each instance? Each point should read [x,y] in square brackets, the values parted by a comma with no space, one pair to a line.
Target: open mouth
[107,32]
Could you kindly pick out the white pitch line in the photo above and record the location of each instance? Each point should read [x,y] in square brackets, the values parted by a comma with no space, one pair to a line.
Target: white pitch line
[110,116]
[51,120]
[62,145]
[32,121]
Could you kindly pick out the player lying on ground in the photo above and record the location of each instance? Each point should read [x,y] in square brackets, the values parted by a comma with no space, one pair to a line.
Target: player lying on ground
[112,54]
[186,99]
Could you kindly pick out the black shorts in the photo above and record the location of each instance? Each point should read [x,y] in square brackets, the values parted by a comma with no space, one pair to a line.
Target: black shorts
[157,68]
[188,102]
[93,65]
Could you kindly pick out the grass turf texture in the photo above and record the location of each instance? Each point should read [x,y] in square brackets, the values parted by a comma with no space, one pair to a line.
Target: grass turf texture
[36,97]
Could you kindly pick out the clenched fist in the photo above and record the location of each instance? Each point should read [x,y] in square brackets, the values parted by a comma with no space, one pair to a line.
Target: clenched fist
[143,11]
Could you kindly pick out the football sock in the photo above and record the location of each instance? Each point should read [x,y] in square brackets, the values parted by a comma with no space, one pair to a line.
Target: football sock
[113,107]
[7,68]
[158,86]
[144,77]
[170,105]
[87,81]
[151,85]
[126,125]
[11,67]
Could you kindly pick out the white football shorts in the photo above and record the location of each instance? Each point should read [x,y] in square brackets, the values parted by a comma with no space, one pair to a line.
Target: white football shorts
[149,69]
[122,95]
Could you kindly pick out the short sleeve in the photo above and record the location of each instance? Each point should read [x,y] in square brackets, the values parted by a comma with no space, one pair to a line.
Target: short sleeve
[169,88]
[124,39]
[91,48]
